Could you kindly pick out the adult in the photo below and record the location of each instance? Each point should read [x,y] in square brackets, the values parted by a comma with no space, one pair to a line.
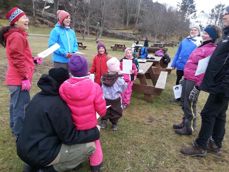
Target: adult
[63,35]
[49,139]
[20,67]
[186,46]
[216,83]
[191,82]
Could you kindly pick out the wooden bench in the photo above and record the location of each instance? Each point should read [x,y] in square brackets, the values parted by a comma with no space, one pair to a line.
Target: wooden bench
[157,78]
[154,49]
[80,45]
[118,47]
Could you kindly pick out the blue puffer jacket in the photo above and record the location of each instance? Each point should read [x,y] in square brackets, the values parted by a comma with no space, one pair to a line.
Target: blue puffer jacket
[185,48]
[67,40]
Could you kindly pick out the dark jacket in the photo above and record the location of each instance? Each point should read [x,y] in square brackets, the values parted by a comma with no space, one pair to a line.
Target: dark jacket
[216,80]
[109,79]
[47,126]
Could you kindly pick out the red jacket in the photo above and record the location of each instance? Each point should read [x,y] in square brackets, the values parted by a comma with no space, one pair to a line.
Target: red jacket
[85,98]
[19,56]
[99,67]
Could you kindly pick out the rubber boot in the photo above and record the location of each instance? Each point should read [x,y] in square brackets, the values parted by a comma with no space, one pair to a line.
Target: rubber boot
[186,130]
[179,126]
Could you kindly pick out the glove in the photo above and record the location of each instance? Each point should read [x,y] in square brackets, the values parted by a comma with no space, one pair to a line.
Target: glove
[38,60]
[25,85]
[193,96]
[68,55]
[126,78]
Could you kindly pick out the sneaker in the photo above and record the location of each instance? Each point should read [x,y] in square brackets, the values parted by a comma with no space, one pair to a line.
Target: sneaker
[123,106]
[213,148]
[103,124]
[183,131]
[114,127]
[194,150]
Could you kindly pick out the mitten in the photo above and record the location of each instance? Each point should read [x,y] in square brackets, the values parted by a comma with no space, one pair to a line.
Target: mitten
[68,55]
[38,60]
[193,96]
[25,85]
[126,78]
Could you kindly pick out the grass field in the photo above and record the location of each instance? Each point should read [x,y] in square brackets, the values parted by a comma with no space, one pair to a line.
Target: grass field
[145,141]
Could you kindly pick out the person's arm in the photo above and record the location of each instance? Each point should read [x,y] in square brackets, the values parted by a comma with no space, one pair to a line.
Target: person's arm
[100,103]
[75,44]
[93,67]
[54,38]
[176,56]
[16,48]
[61,121]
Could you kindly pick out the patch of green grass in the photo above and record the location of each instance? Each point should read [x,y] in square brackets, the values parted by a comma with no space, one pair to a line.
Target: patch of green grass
[145,141]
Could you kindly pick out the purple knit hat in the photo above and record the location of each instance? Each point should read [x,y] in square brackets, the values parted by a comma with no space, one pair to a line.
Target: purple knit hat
[78,66]
[100,44]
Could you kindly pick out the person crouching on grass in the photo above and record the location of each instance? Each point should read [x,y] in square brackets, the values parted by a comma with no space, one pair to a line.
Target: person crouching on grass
[113,86]
[84,98]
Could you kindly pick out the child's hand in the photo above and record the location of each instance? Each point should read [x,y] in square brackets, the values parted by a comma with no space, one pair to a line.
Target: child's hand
[132,71]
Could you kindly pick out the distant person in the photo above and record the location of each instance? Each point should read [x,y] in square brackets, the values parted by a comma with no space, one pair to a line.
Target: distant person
[113,86]
[129,78]
[146,42]
[49,141]
[85,99]
[63,35]
[20,66]
[143,52]
[191,83]
[216,83]
[99,64]
[165,59]
[186,46]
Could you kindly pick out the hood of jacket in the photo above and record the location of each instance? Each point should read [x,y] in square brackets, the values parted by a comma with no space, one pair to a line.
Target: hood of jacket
[13,30]
[48,85]
[109,79]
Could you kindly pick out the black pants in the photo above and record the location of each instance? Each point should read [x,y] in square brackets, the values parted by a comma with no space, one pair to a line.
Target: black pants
[179,73]
[213,121]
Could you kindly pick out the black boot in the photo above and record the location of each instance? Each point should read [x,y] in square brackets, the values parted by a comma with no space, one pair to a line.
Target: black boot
[179,126]
[28,168]
[186,130]
[96,168]
[48,169]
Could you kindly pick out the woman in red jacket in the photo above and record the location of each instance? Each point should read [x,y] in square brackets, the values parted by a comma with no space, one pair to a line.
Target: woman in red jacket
[20,65]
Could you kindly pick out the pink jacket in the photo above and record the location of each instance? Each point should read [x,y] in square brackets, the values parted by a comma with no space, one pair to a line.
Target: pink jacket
[19,56]
[192,63]
[85,98]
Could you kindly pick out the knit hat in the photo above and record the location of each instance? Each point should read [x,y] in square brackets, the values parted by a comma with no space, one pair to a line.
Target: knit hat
[78,65]
[113,65]
[59,74]
[196,26]
[212,32]
[61,15]
[226,11]
[99,45]
[14,15]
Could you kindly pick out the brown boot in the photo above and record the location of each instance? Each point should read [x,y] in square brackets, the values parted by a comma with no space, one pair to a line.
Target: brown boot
[194,150]
[213,148]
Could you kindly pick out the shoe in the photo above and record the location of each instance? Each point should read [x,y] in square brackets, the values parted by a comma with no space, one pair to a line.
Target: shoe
[183,131]
[103,124]
[194,150]
[48,169]
[178,126]
[213,148]
[28,168]
[123,106]
[114,127]
[96,168]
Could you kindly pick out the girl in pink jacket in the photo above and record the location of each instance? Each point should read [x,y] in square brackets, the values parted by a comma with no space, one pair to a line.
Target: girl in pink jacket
[191,83]
[129,78]
[85,99]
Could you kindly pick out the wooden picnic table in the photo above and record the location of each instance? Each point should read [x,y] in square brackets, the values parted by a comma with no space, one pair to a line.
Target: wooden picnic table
[118,47]
[149,84]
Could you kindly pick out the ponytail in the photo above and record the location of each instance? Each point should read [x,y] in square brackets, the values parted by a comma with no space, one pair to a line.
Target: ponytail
[2,32]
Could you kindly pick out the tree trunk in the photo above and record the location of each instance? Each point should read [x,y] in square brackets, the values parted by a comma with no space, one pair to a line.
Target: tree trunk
[138,13]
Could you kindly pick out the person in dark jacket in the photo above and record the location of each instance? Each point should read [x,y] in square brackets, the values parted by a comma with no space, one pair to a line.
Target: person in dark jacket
[49,139]
[216,83]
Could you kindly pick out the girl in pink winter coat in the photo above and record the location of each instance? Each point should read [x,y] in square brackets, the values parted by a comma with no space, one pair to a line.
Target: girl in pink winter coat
[85,98]
[129,78]
[191,83]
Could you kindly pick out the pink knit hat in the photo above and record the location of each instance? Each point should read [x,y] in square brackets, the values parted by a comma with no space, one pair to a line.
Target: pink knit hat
[14,15]
[61,15]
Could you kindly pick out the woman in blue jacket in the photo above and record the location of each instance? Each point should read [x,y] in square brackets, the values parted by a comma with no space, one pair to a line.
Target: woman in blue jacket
[185,48]
[65,37]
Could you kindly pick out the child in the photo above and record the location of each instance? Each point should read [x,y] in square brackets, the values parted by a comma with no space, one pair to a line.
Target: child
[85,98]
[113,85]
[129,78]
[99,66]
[190,90]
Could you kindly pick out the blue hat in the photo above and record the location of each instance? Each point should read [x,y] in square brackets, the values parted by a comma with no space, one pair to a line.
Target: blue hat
[212,32]
[78,66]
